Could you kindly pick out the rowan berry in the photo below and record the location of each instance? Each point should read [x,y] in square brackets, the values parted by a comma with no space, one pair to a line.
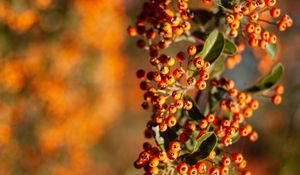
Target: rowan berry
[182,168]
[201,84]
[191,50]
[201,167]
[162,156]
[253,16]
[224,170]
[233,92]
[276,99]
[174,145]
[187,105]
[253,136]
[263,44]
[176,94]
[141,74]
[275,12]
[198,62]
[226,161]
[226,141]
[172,154]
[144,156]
[203,123]
[229,19]
[254,104]
[171,121]
[131,31]
[257,29]
[272,39]
[237,158]
[163,127]
[279,89]
[281,26]
[235,24]
[250,28]
[179,104]
[243,164]
[190,128]
[270,2]
[191,81]
[153,170]
[214,171]
[210,118]
[154,162]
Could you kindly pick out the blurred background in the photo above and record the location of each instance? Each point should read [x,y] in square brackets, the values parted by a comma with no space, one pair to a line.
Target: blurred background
[70,103]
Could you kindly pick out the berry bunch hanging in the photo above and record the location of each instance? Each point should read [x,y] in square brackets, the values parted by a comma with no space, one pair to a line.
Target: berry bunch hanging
[192,134]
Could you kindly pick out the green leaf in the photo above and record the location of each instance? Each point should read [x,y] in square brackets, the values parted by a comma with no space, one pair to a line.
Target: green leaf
[163,139]
[235,138]
[202,16]
[230,47]
[271,50]
[201,140]
[158,139]
[203,151]
[194,113]
[213,47]
[268,80]
[217,67]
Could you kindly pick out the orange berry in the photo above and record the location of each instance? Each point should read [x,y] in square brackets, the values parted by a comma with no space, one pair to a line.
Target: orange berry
[198,62]
[182,168]
[190,128]
[270,2]
[191,81]
[226,161]
[254,104]
[253,136]
[237,158]
[224,170]
[253,42]
[171,121]
[281,26]
[233,33]
[210,118]
[203,123]
[201,167]
[162,156]
[257,29]
[212,155]
[242,165]
[272,39]
[131,31]
[214,171]
[154,162]
[229,19]
[276,99]
[174,145]
[172,154]
[187,105]
[250,28]
[226,141]
[279,89]
[192,171]
[275,12]
[176,94]
[253,16]
[201,84]
[265,35]
[191,50]
[235,24]
[263,44]
[236,8]
[153,170]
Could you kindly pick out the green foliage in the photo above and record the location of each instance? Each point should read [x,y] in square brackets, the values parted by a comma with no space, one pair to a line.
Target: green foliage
[271,50]
[230,47]
[268,80]
[194,113]
[207,143]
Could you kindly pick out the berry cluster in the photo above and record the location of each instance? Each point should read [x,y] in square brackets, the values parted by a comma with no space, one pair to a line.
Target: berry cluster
[246,17]
[160,22]
[177,122]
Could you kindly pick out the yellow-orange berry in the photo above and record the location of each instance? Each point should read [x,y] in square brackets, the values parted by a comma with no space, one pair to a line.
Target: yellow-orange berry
[182,168]
[174,145]
[171,121]
[192,171]
[276,99]
[201,167]
[275,12]
[279,89]
[172,154]
[242,165]
[281,26]
[237,158]
[198,62]
[201,84]
[154,162]
[210,118]
[226,161]
[191,50]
